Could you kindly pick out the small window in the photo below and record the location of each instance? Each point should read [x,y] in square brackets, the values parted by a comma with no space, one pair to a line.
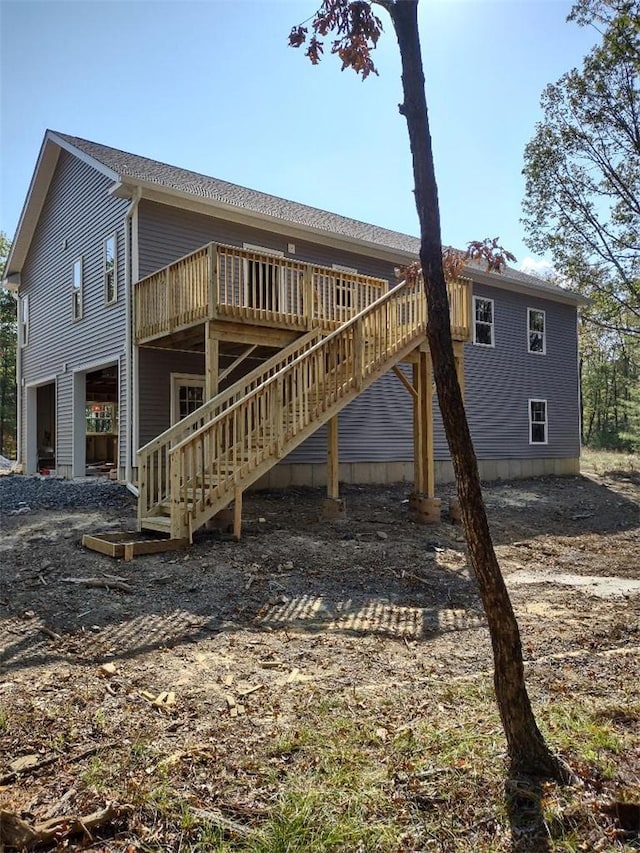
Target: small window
[110,270]
[537,421]
[76,293]
[24,321]
[536,324]
[483,322]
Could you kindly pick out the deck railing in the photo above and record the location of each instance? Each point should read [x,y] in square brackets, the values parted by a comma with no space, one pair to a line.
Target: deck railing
[229,452]
[220,281]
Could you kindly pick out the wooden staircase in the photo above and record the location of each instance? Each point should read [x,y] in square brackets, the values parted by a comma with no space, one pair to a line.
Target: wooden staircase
[202,464]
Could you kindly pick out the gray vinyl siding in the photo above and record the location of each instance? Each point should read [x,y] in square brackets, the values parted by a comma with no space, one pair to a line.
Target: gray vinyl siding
[501,380]
[77,216]
[166,233]
[154,393]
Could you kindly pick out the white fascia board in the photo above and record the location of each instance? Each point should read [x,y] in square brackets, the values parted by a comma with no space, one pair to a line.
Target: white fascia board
[213,207]
[503,281]
[82,155]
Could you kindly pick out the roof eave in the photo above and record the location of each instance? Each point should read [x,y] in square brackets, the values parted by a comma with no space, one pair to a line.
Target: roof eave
[542,290]
[179,198]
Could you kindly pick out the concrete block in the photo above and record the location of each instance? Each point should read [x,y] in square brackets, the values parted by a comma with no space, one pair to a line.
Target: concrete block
[333,509]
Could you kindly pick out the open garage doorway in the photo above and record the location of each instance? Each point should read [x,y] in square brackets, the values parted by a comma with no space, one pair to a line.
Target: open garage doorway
[41,433]
[95,420]
[101,416]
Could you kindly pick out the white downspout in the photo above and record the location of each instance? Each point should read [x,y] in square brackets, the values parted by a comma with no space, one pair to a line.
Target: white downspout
[19,352]
[129,281]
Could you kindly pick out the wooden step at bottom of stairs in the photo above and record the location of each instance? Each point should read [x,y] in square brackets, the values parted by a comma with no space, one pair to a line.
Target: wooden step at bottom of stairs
[159,523]
[127,545]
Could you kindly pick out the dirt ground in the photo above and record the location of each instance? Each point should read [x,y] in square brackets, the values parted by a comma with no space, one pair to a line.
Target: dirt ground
[372,602]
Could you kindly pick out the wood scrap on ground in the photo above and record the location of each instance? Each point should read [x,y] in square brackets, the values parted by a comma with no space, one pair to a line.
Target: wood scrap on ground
[107,582]
[19,834]
[27,764]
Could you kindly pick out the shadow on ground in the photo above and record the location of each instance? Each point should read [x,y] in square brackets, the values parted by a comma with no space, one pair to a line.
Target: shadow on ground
[376,573]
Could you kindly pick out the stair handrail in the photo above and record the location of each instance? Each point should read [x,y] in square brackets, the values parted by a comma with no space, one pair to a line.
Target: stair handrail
[187,422]
[326,340]
[151,494]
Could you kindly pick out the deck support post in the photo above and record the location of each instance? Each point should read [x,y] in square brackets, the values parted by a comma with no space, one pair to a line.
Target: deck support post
[333,506]
[237,513]
[423,505]
[211,350]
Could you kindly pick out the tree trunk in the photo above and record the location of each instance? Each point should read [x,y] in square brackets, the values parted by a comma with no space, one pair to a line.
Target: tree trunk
[528,751]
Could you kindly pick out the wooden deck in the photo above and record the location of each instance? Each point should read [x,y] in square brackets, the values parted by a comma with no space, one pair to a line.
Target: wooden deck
[225,283]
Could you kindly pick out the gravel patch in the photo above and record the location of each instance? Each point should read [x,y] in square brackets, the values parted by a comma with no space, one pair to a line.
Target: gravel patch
[19,494]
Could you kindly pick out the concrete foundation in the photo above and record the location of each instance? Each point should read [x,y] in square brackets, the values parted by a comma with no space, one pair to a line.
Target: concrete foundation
[423,509]
[333,509]
[315,473]
[455,516]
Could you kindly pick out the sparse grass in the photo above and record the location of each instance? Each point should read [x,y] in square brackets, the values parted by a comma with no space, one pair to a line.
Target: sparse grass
[606,461]
[352,773]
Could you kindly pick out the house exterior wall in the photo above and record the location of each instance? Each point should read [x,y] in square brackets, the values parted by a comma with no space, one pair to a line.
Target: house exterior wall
[77,216]
[154,391]
[376,429]
[166,233]
[501,380]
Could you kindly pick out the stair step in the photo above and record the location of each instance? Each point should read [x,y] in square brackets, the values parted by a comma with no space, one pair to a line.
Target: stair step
[156,522]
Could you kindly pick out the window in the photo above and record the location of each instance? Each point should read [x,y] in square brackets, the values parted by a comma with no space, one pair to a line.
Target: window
[76,293]
[187,395]
[537,421]
[110,270]
[24,321]
[483,322]
[536,324]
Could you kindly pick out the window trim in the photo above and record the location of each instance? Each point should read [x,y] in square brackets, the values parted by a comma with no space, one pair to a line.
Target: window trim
[543,351]
[545,422]
[113,237]
[491,325]
[77,291]
[195,380]
[23,320]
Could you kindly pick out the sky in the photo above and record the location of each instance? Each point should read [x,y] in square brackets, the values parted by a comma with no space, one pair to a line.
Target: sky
[212,86]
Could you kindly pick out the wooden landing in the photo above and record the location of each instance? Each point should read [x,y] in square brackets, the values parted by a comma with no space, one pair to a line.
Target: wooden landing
[126,546]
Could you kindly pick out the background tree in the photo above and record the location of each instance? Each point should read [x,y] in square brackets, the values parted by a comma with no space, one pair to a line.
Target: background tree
[357,29]
[582,205]
[7,361]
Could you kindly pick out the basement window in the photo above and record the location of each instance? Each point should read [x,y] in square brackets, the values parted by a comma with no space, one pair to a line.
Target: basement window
[76,291]
[483,333]
[537,422]
[110,270]
[536,325]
